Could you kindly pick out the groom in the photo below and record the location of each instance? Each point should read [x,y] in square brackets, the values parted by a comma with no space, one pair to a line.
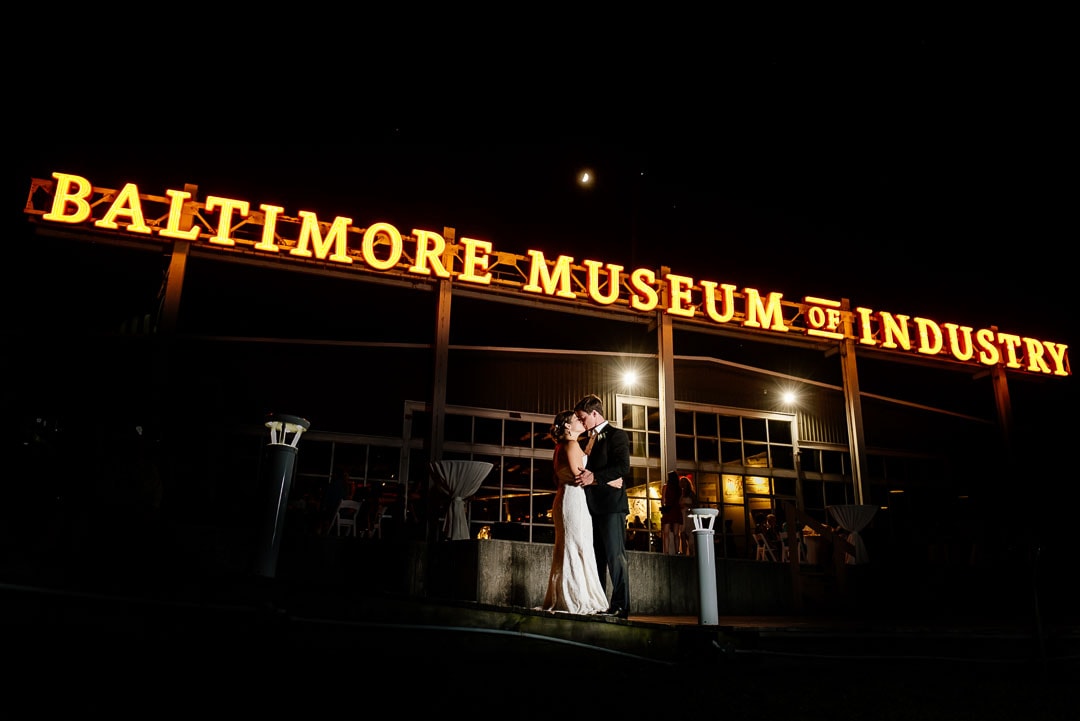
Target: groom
[604,479]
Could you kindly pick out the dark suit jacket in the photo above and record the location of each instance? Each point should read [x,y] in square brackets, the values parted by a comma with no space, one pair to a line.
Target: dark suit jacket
[609,459]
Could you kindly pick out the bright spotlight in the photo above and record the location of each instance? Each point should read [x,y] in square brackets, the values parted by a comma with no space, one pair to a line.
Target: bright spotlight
[789,398]
[630,377]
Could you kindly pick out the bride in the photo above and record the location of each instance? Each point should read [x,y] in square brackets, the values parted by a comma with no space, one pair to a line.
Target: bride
[574,582]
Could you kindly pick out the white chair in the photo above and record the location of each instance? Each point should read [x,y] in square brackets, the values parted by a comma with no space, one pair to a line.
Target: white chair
[344,519]
[764,552]
[787,550]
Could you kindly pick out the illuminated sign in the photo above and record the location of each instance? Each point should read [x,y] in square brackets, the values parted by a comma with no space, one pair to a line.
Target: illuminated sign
[229,223]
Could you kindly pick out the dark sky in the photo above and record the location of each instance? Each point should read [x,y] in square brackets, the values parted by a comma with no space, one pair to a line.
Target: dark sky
[921,172]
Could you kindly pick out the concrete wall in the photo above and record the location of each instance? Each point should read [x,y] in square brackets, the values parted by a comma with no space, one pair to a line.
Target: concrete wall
[513,573]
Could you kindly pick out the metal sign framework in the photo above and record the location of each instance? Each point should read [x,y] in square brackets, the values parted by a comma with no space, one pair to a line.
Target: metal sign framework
[181,225]
[380,251]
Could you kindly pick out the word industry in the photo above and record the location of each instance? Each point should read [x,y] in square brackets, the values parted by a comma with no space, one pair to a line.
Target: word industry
[230,224]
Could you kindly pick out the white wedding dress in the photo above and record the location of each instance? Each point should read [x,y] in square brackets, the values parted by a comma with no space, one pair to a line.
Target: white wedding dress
[574,583]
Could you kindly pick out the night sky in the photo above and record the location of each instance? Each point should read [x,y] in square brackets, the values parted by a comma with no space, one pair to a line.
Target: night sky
[918,172]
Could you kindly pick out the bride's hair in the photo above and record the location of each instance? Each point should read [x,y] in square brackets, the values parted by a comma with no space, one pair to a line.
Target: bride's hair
[561,425]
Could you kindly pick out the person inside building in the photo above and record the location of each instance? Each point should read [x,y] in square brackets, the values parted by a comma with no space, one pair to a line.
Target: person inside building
[671,515]
[771,530]
[687,501]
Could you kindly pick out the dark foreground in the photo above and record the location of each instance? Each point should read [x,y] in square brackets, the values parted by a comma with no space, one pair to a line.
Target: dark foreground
[264,648]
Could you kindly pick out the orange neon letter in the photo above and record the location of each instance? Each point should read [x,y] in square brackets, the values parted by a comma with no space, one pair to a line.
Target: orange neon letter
[429,250]
[768,313]
[372,236]
[1010,343]
[866,330]
[557,283]
[1035,356]
[727,301]
[593,282]
[336,238]
[644,295]
[823,317]
[270,216]
[228,207]
[894,328]
[960,344]
[1057,354]
[126,205]
[176,215]
[929,335]
[679,287]
[477,253]
[989,355]
[71,190]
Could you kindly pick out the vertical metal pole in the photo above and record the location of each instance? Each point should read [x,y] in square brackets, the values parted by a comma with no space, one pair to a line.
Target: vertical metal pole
[444,292]
[1003,404]
[706,555]
[853,404]
[280,465]
[174,279]
[666,359]
[442,353]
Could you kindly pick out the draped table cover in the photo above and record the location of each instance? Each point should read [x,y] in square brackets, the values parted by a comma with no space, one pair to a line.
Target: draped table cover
[460,480]
[853,518]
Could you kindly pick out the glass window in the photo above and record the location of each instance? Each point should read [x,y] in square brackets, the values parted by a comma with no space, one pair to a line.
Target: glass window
[638,443]
[383,463]
[707,487]
[730,530]
[517,473]
[642,422]
[654,445]
[544,474]
[521,433]
[784,486]
[783,457]
[633,417]
[515,501]
[875,466]
[706,425]
[833,462]
[729,427]
[708,450]
[836,494]
[684,448]
[489,431]
[731,453]
[484,506]
[457,428]
[757,455]
[420,424]
[684,422]
[813,495]
[352,457]
[754,429]
[779,431]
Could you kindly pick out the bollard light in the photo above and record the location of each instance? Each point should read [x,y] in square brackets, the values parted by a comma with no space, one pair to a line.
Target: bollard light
[279,466]
[706,555]
[281,426]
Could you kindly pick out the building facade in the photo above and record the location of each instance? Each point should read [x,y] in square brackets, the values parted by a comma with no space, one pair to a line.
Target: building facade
[190,320]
